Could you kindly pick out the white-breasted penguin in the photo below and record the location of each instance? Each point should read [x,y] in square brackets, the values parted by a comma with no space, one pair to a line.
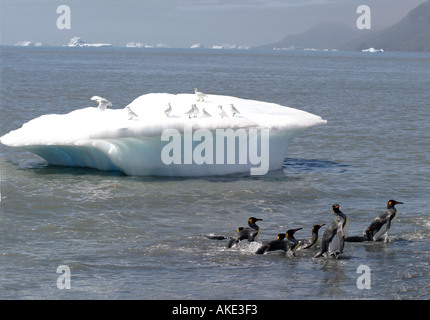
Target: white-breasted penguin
[332,242]
[381,224]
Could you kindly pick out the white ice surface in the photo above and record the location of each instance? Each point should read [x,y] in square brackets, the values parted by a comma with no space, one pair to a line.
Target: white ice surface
[108,140]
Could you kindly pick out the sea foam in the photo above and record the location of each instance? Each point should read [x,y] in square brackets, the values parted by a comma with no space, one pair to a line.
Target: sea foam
[110,140]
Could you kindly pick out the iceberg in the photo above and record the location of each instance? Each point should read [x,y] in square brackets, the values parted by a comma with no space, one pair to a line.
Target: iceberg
[134,45]
[28,44]
[174,143]
[372,50]
[78,42]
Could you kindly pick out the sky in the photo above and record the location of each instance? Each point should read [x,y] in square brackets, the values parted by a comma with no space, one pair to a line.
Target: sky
[182,23]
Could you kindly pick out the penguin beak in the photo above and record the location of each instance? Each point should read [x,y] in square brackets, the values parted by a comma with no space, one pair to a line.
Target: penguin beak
[398,202]
[256,219]
[295,230]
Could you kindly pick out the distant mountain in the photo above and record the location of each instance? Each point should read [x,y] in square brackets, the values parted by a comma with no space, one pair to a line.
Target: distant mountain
[325,35]
[412,34]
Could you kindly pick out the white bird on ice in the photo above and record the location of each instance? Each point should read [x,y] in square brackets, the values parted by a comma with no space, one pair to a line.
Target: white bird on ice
[195,111]
[222,112]
[190,111]
[200,95]
[103,103]
[168,109]
[233,110]
[205,113]
[131,114]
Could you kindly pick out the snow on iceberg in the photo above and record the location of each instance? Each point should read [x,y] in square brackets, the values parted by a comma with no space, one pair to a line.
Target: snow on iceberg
[153,142]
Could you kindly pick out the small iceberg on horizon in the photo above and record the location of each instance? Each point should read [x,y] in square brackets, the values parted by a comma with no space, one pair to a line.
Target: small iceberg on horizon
[372,50]
[28,44]
[164,134]
[78,42]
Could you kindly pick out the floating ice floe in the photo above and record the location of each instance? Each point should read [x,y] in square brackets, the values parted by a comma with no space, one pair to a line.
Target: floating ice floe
[154,142]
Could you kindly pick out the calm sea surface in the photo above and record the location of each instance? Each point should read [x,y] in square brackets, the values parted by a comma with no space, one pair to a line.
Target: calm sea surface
[126,237]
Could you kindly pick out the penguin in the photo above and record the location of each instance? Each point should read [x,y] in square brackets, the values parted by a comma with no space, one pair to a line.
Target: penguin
[220,237]
[333,238]
[250,233]
[284,241]
[168,109]
[381,224]
[278,244]
[313,242]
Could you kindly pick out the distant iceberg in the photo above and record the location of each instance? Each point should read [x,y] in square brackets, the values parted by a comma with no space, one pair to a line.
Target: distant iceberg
[151,143]
[230,46]
[78,42]
[197,46]
[372,50]
[134,45]
[28,44]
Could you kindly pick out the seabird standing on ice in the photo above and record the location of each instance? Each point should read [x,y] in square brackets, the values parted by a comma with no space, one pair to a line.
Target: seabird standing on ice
[200,95]
[222,113]
[168,109]
[103,103]
[233,110]
[195,111]
[249,233]
[131,114]
[205,113]
[190,111]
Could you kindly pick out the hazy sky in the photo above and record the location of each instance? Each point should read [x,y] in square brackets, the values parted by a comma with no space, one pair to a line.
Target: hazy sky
[181,23]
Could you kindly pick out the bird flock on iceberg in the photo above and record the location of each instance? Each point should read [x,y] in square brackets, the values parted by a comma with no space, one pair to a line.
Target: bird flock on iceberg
[192,112]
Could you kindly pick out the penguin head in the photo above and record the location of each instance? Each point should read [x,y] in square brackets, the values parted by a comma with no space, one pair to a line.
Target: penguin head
[290,233]
[281,236]
[335,208]
[253,220]
[392,203]
[316,227]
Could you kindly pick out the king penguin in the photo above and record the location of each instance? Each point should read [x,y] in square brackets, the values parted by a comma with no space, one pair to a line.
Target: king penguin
[381,224]
[284,241]
[333,238]
[250,233]
[313,242]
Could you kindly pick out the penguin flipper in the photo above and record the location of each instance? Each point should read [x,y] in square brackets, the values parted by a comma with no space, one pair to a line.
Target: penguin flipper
[263,249]
[232,242]
[213,237]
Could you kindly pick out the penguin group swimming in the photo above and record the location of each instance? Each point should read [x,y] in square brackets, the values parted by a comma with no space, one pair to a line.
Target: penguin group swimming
[332,241]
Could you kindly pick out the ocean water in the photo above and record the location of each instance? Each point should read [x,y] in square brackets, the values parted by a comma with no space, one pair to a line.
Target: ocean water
[128,237]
